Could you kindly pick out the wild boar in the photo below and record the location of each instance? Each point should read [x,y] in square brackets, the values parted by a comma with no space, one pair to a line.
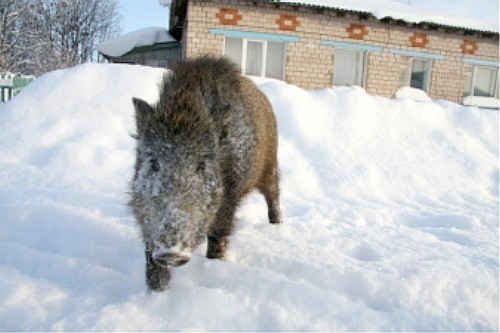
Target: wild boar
[210,140]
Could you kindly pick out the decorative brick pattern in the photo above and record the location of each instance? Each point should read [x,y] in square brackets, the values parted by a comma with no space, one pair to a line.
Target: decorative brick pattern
[228,16]
[469,47]
[357,31]
[288,22]
[419,40]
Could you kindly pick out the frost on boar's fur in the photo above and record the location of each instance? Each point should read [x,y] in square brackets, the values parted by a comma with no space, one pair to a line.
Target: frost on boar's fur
[210,139]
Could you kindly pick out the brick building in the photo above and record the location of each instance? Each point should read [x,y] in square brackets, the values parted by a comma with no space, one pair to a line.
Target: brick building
[152,46]
[315,46]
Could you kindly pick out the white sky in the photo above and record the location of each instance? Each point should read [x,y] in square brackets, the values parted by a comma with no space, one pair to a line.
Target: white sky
[138,14]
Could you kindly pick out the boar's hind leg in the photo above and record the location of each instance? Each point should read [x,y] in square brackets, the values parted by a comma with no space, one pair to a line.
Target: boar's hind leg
[219,231]
[274,211]
[270,189]
[157,277]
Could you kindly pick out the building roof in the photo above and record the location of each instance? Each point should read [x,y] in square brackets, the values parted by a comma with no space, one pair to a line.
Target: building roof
[126,43]
[476,15]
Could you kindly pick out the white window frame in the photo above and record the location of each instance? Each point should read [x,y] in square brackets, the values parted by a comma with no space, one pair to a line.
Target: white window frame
[408,68]
[244,55]
[364,63]
[473,80]
[365,48]
[264,43]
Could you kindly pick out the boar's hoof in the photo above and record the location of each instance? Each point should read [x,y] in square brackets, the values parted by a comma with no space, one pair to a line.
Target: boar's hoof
[216,248]
[157,277]
[275,217]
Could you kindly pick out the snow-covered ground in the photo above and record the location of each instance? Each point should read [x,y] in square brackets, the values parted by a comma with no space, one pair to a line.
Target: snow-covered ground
[390,206]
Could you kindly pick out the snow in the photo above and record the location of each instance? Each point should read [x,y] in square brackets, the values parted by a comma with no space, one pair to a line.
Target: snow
[485,102]
[143,37]
[390,217]
[413,94]
[479,15]
[165,3]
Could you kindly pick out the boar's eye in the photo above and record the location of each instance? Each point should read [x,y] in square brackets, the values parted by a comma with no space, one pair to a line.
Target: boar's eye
[155,165]
[201,167]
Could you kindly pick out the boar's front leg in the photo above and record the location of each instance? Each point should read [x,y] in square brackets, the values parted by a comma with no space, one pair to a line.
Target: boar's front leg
[157,276]
[217,247]
[219,231]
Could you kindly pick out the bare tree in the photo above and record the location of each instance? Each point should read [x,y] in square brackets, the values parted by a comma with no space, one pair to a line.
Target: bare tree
[18,38]
[76,29]
[52,34]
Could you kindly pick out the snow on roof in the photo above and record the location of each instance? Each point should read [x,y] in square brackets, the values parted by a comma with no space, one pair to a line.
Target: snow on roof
[480,15]
[165,3]
[126,43]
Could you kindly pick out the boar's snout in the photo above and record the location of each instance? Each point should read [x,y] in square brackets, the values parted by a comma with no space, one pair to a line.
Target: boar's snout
[171,258]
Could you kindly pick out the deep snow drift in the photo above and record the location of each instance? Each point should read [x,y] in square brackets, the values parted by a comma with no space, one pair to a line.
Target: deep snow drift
[390,209]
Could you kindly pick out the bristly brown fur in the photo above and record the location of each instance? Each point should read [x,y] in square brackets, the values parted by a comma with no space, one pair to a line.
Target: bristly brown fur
[210,140]
[192,90]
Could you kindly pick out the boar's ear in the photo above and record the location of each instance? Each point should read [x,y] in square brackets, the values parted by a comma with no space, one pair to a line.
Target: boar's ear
[142,111]
[141,107]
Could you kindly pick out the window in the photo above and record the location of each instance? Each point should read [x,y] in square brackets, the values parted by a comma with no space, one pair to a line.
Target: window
[275,60]
[420,74]
[257,57]
[349,67]
[350,64]
[417,74]
[254,62]
[233,49]
[483,82]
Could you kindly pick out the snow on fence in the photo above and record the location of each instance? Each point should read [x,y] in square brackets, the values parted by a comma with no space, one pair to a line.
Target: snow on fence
[11,84]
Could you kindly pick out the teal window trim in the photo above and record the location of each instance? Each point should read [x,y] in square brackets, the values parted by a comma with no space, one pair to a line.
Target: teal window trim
[416,54]
[354,46]
[479,62]
[254,35]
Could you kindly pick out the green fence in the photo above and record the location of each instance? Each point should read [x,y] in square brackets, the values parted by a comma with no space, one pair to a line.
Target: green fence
[11,84]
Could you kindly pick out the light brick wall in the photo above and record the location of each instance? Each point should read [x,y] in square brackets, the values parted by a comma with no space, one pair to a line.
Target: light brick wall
[383,73]
[310,65]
